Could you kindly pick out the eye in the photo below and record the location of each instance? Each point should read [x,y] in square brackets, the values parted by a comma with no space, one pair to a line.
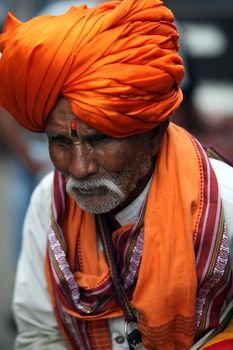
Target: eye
[96,139]
[60,140]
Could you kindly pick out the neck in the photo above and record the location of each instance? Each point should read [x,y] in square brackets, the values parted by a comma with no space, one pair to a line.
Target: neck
[141,184]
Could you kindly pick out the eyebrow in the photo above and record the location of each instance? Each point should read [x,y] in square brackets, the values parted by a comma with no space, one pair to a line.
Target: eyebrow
[53,133]
[92,137]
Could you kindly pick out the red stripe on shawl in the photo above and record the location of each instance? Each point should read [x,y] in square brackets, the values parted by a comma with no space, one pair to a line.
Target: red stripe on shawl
[58,199]
[222,345]
[64,326]
[210,235]
[210,182]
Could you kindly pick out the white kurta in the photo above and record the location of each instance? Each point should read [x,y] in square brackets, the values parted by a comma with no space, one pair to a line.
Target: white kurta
[38,329]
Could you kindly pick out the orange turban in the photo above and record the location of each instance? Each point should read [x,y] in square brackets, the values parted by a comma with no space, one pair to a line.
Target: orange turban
[117,64]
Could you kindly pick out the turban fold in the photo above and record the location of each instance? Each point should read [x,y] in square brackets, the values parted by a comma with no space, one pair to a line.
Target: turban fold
[117,64]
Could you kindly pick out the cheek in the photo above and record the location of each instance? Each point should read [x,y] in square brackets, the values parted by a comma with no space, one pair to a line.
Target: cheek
[116,156]
[60,158]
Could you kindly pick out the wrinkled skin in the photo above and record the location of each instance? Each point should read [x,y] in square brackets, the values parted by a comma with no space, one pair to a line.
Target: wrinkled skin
[104,174]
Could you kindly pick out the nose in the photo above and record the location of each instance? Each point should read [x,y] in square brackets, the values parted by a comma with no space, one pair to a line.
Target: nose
[82,163]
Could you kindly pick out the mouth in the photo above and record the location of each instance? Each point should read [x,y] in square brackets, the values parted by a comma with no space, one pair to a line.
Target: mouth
[97,191]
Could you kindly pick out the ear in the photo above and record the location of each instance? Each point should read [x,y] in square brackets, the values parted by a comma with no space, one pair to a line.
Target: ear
[156,137]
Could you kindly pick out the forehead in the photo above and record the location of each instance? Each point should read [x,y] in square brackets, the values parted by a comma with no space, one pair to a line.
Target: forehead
[60,117]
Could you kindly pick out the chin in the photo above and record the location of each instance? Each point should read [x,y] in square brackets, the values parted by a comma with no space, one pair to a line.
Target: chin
[100,204]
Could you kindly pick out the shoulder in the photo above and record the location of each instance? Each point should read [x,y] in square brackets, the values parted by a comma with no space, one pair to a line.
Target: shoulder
[224,174]
[42,192]
[38,216]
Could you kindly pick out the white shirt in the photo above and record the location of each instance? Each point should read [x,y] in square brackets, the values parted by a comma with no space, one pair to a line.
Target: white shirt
[37,326]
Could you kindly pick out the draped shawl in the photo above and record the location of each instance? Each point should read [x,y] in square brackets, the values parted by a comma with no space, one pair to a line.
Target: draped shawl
[180,262]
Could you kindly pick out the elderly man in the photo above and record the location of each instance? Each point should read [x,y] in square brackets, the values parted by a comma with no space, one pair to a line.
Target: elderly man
[126,245]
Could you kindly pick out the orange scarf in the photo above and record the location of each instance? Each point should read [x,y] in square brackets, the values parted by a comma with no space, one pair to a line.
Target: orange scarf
[166,289]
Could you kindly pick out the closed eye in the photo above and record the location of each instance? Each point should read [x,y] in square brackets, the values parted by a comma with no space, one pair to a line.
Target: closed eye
[97,138]
[59,139]
[92,140]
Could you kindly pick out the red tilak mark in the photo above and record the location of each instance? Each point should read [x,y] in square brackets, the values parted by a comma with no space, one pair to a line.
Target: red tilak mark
[73,125]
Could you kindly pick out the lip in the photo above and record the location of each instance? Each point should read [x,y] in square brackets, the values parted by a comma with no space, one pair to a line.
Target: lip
[98,191]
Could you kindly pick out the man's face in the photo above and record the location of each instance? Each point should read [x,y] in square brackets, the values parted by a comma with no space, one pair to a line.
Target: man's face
[101,171]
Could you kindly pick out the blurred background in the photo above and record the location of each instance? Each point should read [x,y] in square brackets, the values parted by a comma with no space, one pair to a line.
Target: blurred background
[206,44]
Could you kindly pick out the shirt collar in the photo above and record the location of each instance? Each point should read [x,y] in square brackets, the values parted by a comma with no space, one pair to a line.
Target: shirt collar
[131,212]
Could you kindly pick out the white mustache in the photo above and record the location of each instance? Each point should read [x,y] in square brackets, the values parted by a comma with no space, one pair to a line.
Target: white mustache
[90,185]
